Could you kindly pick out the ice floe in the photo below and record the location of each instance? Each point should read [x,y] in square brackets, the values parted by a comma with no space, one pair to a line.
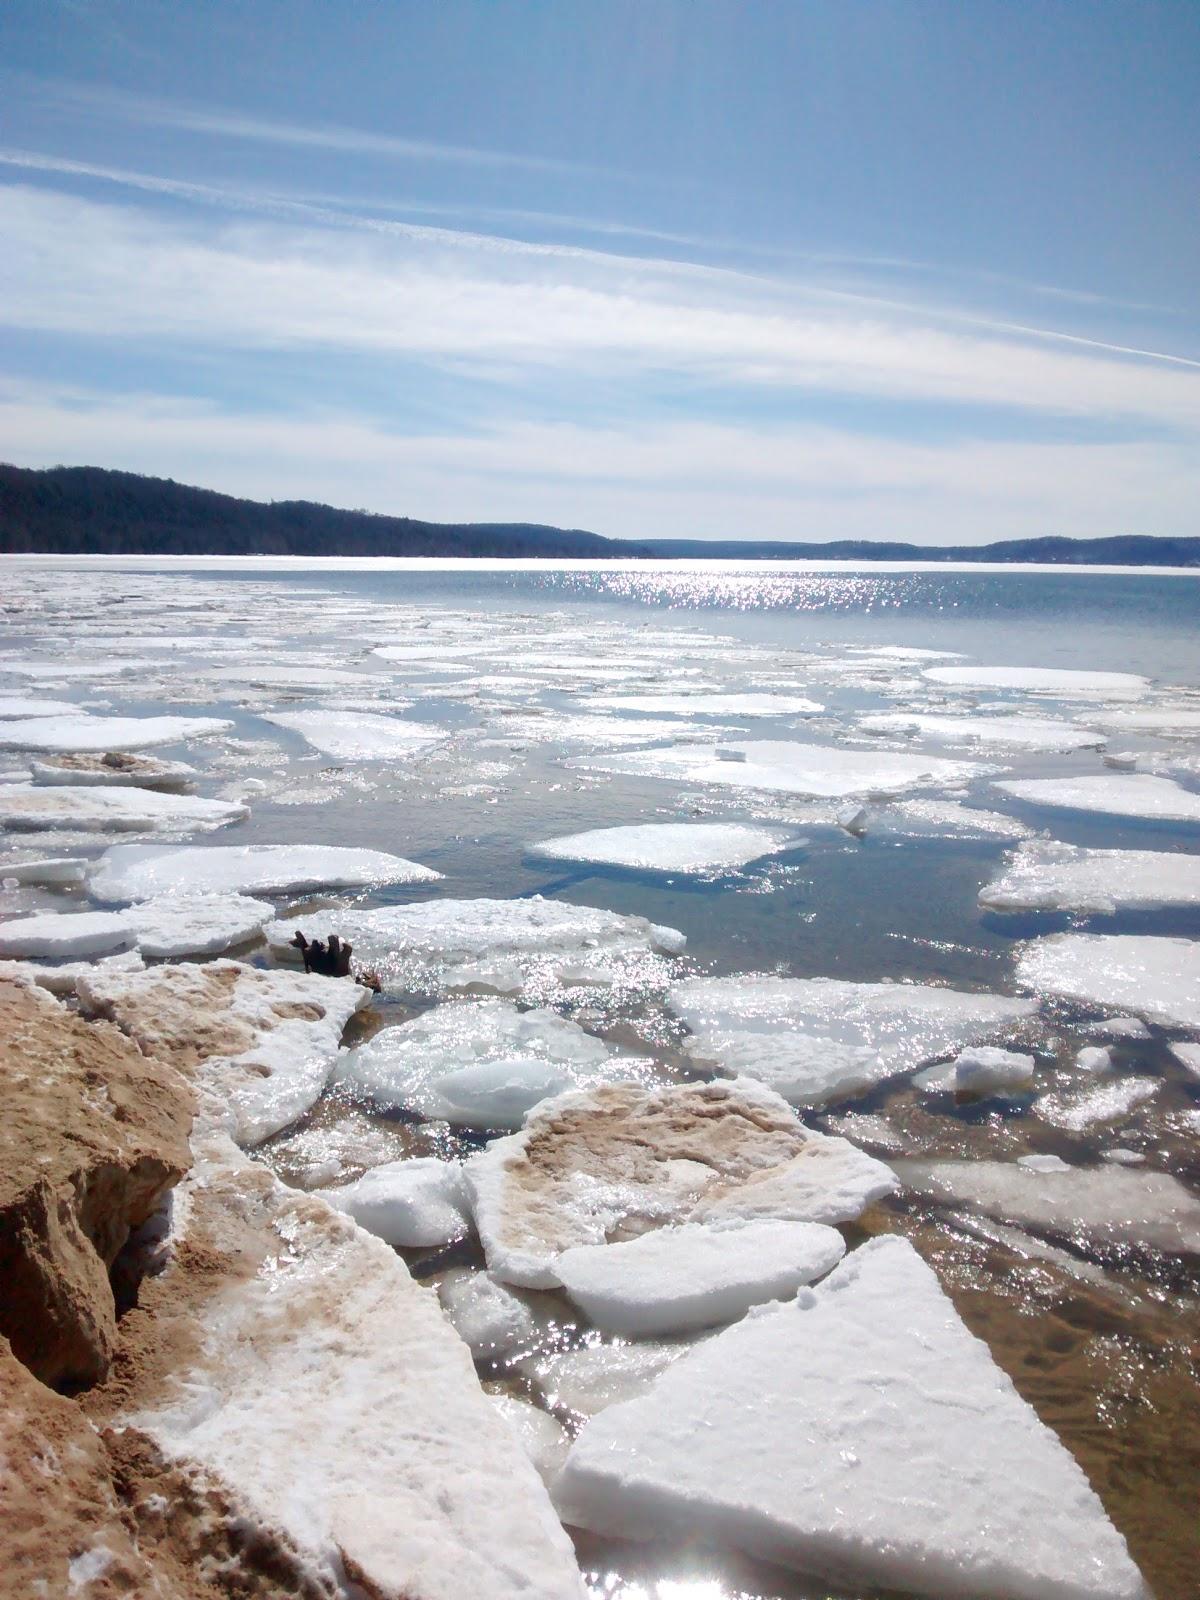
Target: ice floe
[324,1388]
[503,945]
[358,736]
[595,1163]
[475,1063]
[819,771]
[259,1044]
[1057,683]
[668,846]
[195,924]
[1106,1102]
[985,1070]
[90,810]
[543,1439]
[1138,795]
[862,1435]
[491,1320]
[47,871]
[14,706]
[1006,733]
[1188,1056]
[65,935]
[1097,1205]
[711,705]
[139,872]
[413,1204]
[952,817]
[1044,875]
[1164,722]
[593,1377]
[814,1040]
[99,734]
[117,768]
[695,1275]
[1155,978]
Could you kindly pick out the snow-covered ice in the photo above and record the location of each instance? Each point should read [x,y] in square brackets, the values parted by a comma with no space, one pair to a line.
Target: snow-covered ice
[695,1275]
[862,1435]
[14,706]
[1138,795]
[118,769]
[1057,683]
[475,1063]
[668,846]
[495,944]
[413,1204]
[64,935]
[711,705]
[34,808]
[358,736]
[984,1070]
[595,1163]
[1157,979]
[195,924]
[82,732]
[814,1040]
[139,872]
[1044,875]
[1164,722]
[1016,733]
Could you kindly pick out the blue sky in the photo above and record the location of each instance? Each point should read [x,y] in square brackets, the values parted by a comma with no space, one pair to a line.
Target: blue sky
[807,269]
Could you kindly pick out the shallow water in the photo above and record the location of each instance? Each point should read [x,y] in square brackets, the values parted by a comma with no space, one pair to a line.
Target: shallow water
[1107,1357]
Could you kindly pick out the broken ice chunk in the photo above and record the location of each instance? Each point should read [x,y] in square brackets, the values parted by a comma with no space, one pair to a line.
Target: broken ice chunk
[415,1204]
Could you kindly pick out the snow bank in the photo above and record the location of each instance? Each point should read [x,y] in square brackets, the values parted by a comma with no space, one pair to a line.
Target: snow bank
[1044,875]
[1137,795]
[140,872]
[862,1435]
[83,732]
[623,1158]
[98,810]
[695,1275]
[814,1040]
[413,1204]
[667,846]
[1157,979]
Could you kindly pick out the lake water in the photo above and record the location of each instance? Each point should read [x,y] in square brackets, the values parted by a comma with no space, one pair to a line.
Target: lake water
[521,672]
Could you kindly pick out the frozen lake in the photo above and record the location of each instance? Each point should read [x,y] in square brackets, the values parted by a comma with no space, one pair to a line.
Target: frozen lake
[895,815]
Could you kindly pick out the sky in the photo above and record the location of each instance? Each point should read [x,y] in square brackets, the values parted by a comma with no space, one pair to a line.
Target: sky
[793,269]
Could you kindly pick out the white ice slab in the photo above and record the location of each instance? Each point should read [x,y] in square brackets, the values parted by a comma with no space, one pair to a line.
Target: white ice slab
[475,1063]
[83,732]
[195,924]
[819,771]
[862,1435]
[1100,1205]
[413,1204]
[1188,1056]
[814,1040]
[139,872]
[667,846]
[952,817]
[983,1070]
[1044,875]
[696,1275]
[14,706]
[710,705]
[359,736]
[32,808]
[119,770]
[64,935]
[503,945]
[1006,733]
[1164,722]
[1059,683]
[1154,978]
[1136,795]
[623,1158]
[75,666]
[48,871]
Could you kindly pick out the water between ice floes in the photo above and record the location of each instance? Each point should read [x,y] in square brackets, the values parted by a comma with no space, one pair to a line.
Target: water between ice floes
[507,674]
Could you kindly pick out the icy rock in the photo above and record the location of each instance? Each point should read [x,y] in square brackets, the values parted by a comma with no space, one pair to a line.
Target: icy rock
[140,872]
[83,732]
[116,769]
[1044,875]
[667,846]
[64,935]
[351,736]
[820,771]
[324,1388]
[195,924]
[490,1319]
[819,1039]
[1057,682]
[1188,1056]
[494,944]
[1140,795]
[695,1275]
[1156,978]
[413,1205]
[99,810]
[1005,733]
[852,817]
[1094,1058]
[861,1435]
[1098,1205]
[617,1160]
[475,1063]
[48,872]
[588,1380]
[544,1440]
[260,1045]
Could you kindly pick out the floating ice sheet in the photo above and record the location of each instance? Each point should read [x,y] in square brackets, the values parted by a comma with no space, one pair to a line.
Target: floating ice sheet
[1154,978]
[862,1435]
[82,732]
[415,1204]
[711,705]
[195,924]
[668,846]
[64,935]
[14,706]
[491,1319]
[114,769]
[1135,795]
[1058,683]
[1015,733]
[138,872]
[1164,722]
[1044,875]
[814,1040]
[358,736]
[91,810]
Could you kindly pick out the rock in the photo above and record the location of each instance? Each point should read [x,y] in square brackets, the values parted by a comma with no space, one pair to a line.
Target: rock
[595,1165]
[93,1133]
